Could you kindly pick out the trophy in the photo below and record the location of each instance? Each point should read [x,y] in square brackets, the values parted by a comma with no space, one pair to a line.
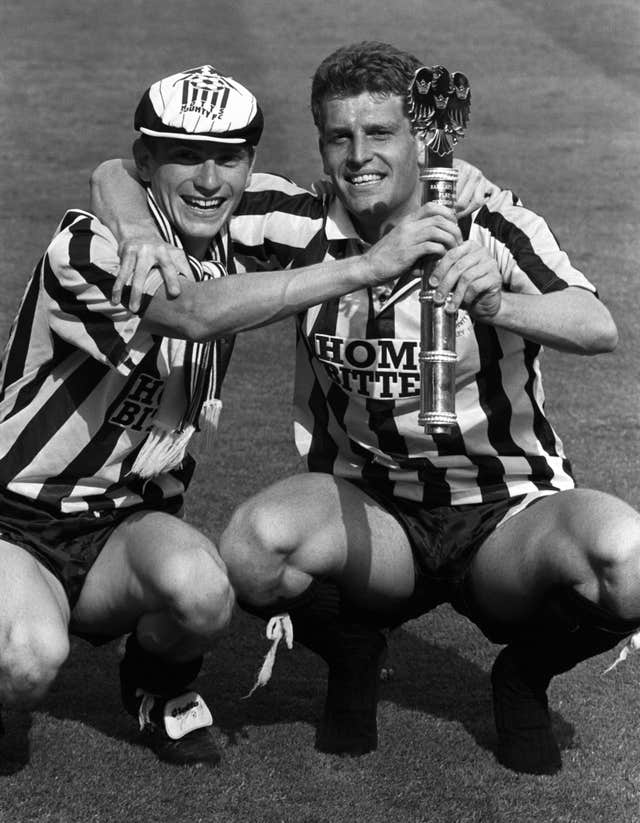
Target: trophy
[439,109]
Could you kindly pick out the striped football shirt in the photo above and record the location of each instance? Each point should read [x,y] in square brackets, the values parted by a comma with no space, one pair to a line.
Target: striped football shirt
[357,381]
[81,380]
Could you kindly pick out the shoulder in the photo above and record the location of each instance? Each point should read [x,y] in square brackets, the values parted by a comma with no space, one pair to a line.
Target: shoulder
[81,240]
[273,192]
[500,200]
[266,181]
[504,215]
[77,223]
[525,246]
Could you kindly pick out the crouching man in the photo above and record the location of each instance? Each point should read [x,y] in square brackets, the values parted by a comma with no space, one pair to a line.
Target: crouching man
[100,396]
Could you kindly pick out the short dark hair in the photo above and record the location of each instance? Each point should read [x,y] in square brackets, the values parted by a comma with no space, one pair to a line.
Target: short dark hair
[150,143]
[370,66]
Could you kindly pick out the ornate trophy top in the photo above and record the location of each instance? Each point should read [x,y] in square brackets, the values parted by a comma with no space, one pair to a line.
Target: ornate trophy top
[439,105]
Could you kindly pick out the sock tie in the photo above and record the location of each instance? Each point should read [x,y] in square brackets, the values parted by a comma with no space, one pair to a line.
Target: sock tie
[279,627]
[632,645]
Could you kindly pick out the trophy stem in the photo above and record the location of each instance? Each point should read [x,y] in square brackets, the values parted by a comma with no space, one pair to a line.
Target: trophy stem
[437,356]
[438,104]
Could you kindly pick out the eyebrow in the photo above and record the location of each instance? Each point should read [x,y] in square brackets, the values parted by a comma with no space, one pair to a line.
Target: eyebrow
[390,125]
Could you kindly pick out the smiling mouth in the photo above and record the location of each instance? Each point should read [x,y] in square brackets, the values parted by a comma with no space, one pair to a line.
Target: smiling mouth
[202,203]
[364,179]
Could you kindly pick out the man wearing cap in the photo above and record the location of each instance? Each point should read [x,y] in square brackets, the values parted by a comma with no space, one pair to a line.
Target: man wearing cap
[99,401]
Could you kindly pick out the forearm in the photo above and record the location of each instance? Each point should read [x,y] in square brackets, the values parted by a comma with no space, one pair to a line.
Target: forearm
[237,303]
[571,320]
[114,184]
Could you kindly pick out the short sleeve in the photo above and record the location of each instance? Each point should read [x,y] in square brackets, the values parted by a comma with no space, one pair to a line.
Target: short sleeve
[528,254]
[79,270]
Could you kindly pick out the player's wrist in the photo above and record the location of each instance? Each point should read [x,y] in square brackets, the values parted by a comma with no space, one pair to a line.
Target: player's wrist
[498,311]
[139,233]
[367,271]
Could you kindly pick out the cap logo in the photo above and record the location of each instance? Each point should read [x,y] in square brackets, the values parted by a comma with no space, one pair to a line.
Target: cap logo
[200,104]
[204,94]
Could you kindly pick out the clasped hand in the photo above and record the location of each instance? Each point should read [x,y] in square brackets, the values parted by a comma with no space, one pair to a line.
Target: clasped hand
[465,276]
[468,277]
[138,257]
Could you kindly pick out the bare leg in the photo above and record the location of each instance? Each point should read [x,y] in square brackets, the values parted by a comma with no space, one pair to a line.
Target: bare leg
[564,578]
[34,615]
[162,580]
[317,526]
[318,548]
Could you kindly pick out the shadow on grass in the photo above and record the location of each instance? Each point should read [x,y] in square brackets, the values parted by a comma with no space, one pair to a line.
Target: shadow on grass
[439,681]
[436,680]
[14,742]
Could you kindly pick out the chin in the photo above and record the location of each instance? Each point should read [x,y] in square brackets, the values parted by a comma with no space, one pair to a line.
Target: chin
[376,208]
[205,229]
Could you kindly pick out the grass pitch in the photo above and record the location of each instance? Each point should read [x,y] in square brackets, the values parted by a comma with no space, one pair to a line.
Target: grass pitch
[555,117]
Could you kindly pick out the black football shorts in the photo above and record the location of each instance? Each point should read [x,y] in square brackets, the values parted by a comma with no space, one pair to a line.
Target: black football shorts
[66,544]
[444,540]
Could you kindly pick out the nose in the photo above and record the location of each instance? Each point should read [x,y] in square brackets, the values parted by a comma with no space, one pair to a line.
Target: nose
[360,150]
[207,178]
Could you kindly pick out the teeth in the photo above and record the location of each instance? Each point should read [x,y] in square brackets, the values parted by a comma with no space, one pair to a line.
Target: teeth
[202,203]
[360,179]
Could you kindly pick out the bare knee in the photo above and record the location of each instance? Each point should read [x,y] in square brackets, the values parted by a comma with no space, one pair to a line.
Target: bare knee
[255,527]
[30,658]
[590,540]
[256,546]
[615,559]
[193,585]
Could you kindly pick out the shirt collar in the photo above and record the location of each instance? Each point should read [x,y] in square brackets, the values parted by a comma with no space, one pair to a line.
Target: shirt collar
[339,225]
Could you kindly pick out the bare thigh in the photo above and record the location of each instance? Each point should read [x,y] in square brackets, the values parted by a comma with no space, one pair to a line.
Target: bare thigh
[316,525]
[29,592]
[581,538]
[34,619]
[148,561]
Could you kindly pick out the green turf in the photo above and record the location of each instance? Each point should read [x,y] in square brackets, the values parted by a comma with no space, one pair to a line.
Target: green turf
[555,116]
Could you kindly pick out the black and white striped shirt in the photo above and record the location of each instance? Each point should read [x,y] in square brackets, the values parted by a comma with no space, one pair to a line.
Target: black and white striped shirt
[357,373]
[81,380]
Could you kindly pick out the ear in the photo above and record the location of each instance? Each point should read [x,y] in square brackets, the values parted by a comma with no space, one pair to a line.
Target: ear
[321,150]
[421,148]
[251,167]
[144,160]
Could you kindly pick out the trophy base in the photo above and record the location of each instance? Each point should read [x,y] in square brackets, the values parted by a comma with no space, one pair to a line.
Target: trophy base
[438,429]
[437,422]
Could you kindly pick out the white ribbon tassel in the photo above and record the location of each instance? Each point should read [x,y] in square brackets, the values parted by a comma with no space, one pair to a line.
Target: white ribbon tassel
[209,420]
[278,627]
[162,451]
[144,710]
[632,645]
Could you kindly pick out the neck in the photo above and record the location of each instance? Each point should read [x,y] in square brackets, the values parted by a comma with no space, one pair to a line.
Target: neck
[375,224]
[196,247]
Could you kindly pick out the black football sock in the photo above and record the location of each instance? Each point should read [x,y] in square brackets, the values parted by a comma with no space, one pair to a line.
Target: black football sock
[139,669]
[353,648]
[349,721]
[526,742]
[572,629]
